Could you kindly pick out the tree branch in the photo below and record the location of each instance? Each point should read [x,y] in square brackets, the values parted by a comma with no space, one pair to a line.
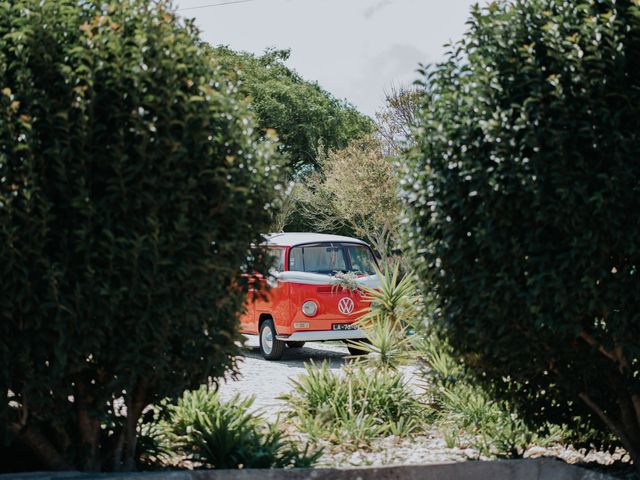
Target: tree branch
[116,454]
[594,343]
[622,359]
[135,405]
[40,446]
[88,426]
[635,398]
[611,425]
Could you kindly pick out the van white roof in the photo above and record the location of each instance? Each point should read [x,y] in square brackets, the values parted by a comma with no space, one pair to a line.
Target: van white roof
[291,239]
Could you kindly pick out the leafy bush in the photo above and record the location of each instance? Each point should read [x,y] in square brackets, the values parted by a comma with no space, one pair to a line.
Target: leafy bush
[217,434]
[362,200]
[131,187]
[518,197]
[352,407]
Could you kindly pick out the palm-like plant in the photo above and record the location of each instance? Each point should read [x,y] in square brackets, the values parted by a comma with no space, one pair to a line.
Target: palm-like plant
[390,345]
[396,299]
[392,306]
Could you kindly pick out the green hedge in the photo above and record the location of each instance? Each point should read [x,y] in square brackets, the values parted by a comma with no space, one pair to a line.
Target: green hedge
[522,198]
[131,186]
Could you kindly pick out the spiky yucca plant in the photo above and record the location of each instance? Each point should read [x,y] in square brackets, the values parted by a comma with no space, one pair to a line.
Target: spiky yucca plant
[396,299]
[353,407]
[392,306]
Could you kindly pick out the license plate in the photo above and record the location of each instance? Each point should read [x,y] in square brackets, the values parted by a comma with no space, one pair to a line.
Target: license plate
[344,326]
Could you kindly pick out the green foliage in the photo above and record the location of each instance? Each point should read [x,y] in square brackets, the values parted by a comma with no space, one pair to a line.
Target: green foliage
[393,307]
[353,407]
[217,434]
[309,120]
[396,299]
[355,191]
[131,187]
[518,196]
[154,448]
[388,344]
[468,415]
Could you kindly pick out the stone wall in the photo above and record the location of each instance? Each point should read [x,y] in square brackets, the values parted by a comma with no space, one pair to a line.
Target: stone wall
[539,469]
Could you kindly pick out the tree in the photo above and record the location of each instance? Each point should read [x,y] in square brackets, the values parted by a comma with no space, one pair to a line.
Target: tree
[398,117]
[519,198]
[131,187]
[356,189]
[309,120]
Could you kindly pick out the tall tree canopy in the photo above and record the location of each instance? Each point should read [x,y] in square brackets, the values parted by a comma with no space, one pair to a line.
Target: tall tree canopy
[309,121]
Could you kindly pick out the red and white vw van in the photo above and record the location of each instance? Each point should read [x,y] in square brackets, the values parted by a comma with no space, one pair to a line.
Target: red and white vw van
[304,304]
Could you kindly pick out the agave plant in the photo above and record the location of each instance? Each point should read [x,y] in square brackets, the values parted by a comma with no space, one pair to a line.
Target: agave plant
[396,299]
[390,345]
[392,307]
[212,433]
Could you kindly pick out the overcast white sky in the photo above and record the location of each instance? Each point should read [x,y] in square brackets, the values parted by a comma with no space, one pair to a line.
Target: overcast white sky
[355,49]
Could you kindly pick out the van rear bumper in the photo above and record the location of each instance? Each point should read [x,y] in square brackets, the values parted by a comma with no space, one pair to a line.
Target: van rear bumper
[322,335]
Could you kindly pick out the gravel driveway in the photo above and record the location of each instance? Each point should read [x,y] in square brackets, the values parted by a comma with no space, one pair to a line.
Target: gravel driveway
[267,380]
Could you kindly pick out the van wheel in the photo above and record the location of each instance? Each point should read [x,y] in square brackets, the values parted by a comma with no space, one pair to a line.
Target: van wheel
[270,347]
[295,344]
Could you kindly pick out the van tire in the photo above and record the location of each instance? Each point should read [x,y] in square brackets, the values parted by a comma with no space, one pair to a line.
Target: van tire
[270,347]
[295,344]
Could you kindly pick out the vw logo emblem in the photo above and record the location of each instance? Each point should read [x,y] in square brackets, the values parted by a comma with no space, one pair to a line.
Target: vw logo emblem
[346,306]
